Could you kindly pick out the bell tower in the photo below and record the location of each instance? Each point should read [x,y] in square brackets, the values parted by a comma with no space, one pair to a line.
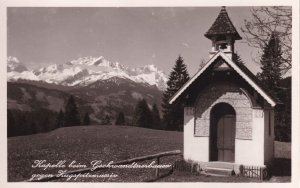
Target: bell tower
[223,35]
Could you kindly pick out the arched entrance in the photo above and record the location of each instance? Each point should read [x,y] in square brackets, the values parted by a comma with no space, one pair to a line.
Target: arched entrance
[222,133]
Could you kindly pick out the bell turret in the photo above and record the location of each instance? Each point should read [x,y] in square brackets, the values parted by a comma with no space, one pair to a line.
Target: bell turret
[223,35]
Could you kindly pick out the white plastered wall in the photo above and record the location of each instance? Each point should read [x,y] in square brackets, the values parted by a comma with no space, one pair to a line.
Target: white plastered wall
[195,148]
[269,135]
[251,152]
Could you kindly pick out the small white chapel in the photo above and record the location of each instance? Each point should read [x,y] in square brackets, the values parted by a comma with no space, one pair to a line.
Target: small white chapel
[228,115]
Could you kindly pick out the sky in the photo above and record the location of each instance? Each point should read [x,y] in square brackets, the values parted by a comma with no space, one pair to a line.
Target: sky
[133,37]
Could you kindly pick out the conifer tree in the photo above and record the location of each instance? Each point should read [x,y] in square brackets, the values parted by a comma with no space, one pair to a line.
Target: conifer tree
[173,113]
[72,117]
[271,62]
[142,115]
[86,119]
[46,124]
[120,119]
[33,127]
[156,120]
[237,58]
[283,112]
[11,128]
[60,121]
[106,120]
[270,77]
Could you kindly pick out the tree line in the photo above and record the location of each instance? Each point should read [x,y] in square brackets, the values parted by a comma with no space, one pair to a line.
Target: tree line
[43,120]
[30,122]
[70,116]
[146,117]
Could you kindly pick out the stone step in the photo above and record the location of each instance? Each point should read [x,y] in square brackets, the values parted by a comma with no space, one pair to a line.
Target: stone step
[219,171]
[209,174]
[223,165]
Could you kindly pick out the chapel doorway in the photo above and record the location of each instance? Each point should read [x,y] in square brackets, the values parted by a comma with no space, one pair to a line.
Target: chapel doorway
[222,133]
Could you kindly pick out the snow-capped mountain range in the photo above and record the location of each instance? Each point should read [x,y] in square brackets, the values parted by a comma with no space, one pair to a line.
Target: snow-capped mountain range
[84,71]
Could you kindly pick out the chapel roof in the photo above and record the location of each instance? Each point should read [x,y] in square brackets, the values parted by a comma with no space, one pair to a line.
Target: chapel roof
[242,70]
[222,25]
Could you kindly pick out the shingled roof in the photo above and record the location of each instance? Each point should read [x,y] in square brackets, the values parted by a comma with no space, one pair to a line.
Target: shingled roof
[242,70]
[222,25]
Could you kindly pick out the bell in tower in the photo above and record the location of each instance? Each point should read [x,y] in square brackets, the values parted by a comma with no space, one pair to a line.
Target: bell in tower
[223,35]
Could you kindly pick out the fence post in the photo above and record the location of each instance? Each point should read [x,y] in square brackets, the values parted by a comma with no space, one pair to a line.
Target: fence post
[261,174]
[157,169]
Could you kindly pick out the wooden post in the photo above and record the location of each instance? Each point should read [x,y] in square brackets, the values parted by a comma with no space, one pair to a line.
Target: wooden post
[157,170]
[260,171]
[256,171]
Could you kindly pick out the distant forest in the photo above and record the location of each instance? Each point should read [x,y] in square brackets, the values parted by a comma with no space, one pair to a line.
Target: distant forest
[44,120]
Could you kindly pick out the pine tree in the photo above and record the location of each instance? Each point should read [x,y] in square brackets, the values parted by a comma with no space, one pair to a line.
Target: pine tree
[173,113]
[142,115]
[60,121]
[283,112]
[120,119]
[86,119]
[72,117]
[271,62]
[270,77]
[237,58]
[106,120]
[22,124]
[156,120]
[11,128]
[46,124]
[33,127]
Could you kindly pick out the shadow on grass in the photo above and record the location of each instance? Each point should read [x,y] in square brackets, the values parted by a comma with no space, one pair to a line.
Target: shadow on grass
[281,167]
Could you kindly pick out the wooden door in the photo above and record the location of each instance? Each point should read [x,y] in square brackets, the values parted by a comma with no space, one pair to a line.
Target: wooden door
[226,138]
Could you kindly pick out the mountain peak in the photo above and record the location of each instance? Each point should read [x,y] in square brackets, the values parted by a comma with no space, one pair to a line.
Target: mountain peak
[14,65]
[13,59]
[151,67]
[87,70]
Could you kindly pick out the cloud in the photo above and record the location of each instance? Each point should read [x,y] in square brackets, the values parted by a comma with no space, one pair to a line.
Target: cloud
[154,55]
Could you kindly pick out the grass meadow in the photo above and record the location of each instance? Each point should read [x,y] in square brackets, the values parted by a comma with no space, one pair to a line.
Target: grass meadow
[84,144]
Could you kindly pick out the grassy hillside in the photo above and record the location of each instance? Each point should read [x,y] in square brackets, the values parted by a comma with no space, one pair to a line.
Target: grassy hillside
[85,144]
[114,143]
